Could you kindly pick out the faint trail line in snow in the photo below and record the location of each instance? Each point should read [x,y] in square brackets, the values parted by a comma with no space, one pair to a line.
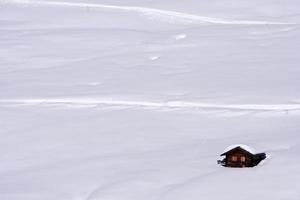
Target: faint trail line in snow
[151,104]
[172,16]
[190,181]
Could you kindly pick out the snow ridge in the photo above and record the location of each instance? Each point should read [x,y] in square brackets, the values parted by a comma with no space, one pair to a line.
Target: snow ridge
[152,104]
[165,15]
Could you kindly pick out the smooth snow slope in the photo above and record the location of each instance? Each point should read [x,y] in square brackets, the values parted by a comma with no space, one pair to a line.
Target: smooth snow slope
[136,99]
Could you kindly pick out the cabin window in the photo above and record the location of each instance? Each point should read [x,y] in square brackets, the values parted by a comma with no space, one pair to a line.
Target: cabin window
[243,159]
[234,158]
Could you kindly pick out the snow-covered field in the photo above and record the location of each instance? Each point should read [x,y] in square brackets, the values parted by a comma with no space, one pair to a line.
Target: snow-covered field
[136,99]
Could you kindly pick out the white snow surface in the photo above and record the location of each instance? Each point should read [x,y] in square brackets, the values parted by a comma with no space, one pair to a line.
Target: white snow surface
[136,99]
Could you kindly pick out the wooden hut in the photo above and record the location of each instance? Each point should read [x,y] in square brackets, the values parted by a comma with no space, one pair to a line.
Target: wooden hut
[241,156]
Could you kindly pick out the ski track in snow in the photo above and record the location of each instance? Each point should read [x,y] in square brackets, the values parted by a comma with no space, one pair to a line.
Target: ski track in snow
[81,102]
[165,15]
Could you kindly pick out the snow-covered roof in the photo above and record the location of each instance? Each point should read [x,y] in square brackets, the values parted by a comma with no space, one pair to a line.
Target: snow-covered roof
[243,146]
